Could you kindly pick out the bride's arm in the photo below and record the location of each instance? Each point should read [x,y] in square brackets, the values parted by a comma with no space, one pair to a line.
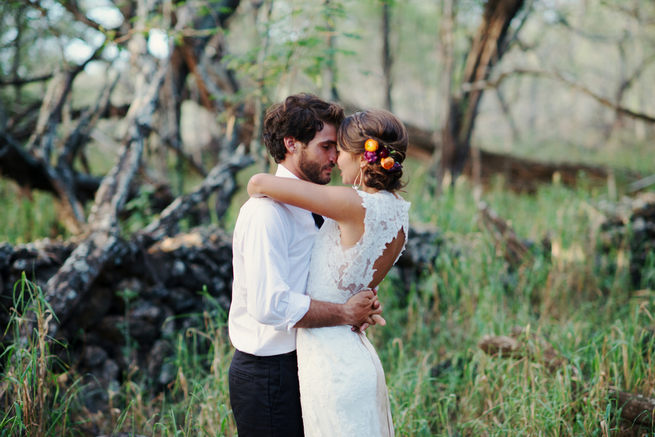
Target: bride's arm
[341,204]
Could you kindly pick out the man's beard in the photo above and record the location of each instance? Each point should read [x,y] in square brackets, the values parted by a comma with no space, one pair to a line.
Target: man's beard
[312,170]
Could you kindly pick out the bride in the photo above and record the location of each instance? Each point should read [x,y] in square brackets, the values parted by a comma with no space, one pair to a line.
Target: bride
[342,386]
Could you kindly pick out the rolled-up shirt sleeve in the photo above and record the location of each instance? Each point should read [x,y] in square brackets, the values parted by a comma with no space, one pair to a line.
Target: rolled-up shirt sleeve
[270,300]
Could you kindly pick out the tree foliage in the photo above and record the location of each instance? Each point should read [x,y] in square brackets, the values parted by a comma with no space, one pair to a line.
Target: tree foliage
[69,69]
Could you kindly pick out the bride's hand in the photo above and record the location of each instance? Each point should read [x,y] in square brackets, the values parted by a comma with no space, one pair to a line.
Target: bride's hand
[378,320]
[375,319]
[361,307]
[366,308]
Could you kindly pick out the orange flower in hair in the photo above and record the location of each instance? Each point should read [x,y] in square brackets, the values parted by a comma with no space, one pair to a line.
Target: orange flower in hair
[371,145]
[387,163]
[375,152]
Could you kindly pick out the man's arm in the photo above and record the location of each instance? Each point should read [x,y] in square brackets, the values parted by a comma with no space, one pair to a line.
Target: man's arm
[270,300]
[264,242]
[361,308]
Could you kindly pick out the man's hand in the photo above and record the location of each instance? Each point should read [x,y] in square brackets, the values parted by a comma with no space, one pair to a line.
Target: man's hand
[363,309]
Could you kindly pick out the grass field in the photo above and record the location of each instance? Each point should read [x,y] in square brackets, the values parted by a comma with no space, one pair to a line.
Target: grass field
[575,301]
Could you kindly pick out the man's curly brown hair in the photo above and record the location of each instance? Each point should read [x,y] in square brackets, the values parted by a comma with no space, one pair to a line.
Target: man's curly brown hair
[300,116]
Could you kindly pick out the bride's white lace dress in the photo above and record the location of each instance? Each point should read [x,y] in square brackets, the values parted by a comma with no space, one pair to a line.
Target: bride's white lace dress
[342,386]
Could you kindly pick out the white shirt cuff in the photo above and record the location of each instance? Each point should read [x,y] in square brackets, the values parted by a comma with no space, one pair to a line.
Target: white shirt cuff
[298,307]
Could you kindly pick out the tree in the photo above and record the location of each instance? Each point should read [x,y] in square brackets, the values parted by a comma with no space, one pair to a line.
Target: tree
[489,44]
[48,160]
[52,156]
[387,61]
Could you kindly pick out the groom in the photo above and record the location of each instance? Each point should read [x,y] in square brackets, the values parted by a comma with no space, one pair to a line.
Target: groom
[272,245]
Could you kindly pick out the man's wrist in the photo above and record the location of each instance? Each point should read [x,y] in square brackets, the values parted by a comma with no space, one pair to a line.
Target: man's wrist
[345,314]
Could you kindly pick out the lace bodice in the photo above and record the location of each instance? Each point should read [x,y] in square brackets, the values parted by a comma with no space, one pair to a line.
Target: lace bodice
[337,273]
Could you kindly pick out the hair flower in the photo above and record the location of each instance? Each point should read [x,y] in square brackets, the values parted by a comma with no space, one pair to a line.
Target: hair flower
[387,163]
[371,145]
[371,157]
[380,153]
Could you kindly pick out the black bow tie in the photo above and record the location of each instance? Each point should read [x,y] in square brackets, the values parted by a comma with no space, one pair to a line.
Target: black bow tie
[318,219]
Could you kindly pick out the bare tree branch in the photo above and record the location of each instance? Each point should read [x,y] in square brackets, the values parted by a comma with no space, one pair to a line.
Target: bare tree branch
[489,84]
[66,289]
[179,151]
[220,178]
[50,113]
[505,107]
[506,241]
[22,167]
[564,22]
[627,83]
[641,184]
[113,191]
[19,81]
[27,171]
[42,140]
[86,122]
[514,37]
[73,7]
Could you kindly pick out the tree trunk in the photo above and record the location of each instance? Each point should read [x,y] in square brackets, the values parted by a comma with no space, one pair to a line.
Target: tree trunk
[487,48]
[67,288]
[387,62]
[331,63]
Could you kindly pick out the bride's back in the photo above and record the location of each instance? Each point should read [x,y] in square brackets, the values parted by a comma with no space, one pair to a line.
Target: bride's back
[388,258]
[336,273]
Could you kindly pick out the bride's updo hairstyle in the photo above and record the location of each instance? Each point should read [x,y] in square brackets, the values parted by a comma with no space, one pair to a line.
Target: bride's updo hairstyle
[389,141]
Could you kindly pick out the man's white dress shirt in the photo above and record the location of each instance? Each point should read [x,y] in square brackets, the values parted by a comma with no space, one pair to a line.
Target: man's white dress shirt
[271,249]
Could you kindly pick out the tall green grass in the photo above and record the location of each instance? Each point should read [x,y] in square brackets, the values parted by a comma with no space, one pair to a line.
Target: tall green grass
[575,298]
[589,313]
[37,396]
[27,216]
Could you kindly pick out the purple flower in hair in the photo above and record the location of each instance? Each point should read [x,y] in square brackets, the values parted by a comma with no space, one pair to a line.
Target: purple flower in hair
[371,157]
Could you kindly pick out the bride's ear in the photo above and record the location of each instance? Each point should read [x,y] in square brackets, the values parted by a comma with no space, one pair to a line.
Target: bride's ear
[290,144]
[362,161]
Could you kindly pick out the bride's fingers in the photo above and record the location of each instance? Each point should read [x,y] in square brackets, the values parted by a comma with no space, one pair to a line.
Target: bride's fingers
[378,319]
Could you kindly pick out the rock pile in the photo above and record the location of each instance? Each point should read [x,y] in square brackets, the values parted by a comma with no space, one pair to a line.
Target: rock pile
[135,306]
[631,223]
[146,295]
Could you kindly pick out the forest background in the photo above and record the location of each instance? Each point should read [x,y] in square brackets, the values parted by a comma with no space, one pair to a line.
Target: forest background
[524,304]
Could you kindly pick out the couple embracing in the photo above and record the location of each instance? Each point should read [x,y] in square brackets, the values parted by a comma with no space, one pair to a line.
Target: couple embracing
[302,297]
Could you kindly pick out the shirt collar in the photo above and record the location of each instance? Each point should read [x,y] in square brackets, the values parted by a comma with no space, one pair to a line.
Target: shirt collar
[284,172]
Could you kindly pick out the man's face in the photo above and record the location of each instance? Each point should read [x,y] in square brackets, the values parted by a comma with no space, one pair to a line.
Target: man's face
[317,159]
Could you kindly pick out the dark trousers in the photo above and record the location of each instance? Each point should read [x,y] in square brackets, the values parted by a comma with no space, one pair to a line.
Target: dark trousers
[265,396]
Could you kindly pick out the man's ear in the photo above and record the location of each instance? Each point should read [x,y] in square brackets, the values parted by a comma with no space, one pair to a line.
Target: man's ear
[290,144]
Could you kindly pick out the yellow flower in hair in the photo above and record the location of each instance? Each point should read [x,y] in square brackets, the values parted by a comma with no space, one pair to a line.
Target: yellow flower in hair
[371,145]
